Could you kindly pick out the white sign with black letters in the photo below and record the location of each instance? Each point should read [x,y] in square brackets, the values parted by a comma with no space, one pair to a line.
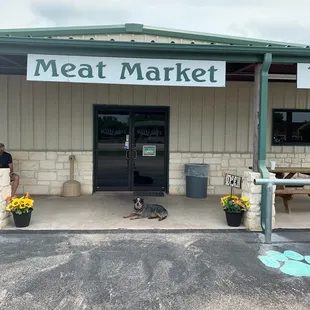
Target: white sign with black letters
[233,180]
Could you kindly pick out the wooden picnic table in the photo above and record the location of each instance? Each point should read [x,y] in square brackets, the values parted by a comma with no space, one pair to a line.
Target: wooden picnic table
[286,192]
[291,171]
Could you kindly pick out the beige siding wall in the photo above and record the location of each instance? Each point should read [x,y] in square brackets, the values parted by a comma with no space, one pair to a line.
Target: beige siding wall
[58,116]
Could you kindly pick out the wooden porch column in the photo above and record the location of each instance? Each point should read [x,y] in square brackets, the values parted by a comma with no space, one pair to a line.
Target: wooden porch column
[257,70]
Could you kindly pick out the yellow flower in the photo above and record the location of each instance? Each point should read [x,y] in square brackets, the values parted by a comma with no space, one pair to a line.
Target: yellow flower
[28,202]
[245,201]
[9,207]
[16,202]
[232,197]
[234,201]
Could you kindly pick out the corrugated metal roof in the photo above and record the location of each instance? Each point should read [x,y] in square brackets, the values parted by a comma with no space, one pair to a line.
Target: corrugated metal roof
[130,28]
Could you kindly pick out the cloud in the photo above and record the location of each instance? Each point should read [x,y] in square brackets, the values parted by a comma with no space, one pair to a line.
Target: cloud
[62,13]
[290,31]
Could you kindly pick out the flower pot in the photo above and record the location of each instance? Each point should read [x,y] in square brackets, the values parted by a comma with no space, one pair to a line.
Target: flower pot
[22,220]
[233,219]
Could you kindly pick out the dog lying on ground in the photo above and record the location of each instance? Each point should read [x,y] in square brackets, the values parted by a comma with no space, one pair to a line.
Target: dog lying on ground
[145,210]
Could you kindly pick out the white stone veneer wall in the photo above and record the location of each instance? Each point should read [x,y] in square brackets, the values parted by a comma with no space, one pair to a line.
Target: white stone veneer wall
[252,218]
[45,172]
[219,165]
[5,191]
[224,163]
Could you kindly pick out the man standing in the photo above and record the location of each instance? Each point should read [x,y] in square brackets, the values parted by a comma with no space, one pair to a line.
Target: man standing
[7,162]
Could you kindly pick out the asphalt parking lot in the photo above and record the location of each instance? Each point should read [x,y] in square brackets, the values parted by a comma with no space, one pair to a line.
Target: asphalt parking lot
[153,270]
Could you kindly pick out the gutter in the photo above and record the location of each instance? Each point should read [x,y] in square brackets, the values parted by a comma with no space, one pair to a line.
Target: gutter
[263,115]
[239,50]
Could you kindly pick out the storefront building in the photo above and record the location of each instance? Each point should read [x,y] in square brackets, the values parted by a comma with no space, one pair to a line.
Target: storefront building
[134,104]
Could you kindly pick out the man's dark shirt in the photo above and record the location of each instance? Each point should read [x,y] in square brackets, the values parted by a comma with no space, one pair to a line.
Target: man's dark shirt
[5,160]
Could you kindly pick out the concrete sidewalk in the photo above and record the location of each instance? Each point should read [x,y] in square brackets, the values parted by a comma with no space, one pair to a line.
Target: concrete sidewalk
[106,211]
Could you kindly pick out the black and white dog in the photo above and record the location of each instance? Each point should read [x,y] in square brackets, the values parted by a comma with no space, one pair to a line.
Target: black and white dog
[145,210]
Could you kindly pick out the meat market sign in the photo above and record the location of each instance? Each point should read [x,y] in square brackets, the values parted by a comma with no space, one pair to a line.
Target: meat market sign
[133,71]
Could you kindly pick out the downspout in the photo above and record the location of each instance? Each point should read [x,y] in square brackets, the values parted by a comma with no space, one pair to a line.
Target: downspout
[262,138]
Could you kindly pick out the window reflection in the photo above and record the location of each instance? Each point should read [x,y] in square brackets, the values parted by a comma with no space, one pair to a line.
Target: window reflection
[150,128]
[291,127]
[112,127]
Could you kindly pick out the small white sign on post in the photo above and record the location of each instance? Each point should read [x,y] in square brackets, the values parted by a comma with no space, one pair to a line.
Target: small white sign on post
[233,180]
[303,75]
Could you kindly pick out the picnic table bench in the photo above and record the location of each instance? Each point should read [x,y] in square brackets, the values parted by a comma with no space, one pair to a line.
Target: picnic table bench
[286,192]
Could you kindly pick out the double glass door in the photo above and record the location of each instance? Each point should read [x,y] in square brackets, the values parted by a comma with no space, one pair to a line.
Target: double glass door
[131,148]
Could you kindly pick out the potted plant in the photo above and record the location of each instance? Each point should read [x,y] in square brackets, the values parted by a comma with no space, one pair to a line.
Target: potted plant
[234,208]
[21,208]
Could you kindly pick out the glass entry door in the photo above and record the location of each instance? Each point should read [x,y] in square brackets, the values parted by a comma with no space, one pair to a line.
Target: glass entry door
[149,133]
[131,148]
[112,158]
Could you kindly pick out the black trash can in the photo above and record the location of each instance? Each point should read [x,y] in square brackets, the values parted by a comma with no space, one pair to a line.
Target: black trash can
[196,180]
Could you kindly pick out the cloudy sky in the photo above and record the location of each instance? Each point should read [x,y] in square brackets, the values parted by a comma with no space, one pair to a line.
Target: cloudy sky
[264,19]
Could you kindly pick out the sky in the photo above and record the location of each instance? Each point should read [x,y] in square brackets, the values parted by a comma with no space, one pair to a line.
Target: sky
[262,19]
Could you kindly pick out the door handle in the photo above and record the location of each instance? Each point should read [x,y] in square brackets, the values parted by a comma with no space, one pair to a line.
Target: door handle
[136,154]
[127,154]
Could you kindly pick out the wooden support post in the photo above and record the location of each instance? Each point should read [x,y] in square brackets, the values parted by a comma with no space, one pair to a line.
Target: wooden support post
[257,71]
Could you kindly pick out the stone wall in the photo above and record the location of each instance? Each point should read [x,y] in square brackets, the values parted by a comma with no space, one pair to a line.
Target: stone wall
[219,165]
[224,163]
[45,172]
[5,191]
[252,218]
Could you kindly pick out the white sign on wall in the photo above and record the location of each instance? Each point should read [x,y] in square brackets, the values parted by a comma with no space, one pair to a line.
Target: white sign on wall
[303,75]
[134,71]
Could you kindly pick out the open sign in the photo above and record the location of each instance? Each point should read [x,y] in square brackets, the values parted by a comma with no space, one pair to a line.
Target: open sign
[232,180]
[149,150]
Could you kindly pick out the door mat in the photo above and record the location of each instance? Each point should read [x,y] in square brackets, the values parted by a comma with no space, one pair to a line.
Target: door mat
[148,194]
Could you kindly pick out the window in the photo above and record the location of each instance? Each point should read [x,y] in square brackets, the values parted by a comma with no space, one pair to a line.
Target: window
[290,127]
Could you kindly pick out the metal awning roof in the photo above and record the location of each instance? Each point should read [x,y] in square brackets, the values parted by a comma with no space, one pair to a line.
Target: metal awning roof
[132,28]
[239,58]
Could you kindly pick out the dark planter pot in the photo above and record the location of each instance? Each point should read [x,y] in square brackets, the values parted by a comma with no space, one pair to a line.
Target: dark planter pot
[22,220]
[234,219]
